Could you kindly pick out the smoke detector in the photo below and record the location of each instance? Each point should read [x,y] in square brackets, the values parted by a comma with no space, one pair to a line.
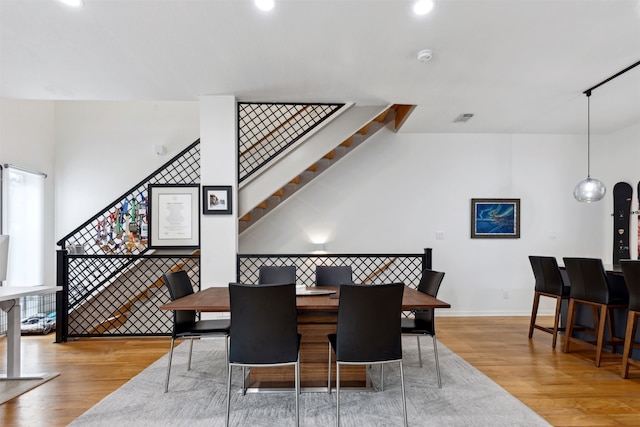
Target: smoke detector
[425,55]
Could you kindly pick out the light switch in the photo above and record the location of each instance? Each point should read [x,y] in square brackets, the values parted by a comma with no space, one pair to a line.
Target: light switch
[439,235]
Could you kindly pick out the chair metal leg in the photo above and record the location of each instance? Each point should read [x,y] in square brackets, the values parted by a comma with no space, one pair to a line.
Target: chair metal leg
[435,353]
[166,382]
[298,392]
[190,353]
[329,373]
[226,350]
[228,393]
[419,351]
[404,397]
[382,377]
[337,393]
[244,381]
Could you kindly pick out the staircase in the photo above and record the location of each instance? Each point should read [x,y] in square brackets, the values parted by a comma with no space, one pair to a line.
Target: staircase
[394,115]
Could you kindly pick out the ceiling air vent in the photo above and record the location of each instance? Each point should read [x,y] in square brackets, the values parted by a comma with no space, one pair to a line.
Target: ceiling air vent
[463,118]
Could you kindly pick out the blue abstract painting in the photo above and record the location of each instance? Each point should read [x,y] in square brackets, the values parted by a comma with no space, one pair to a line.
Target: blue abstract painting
[492,218]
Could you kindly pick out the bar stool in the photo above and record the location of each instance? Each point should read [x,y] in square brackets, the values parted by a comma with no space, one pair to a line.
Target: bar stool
[549,283]
[631,271]
[590,286]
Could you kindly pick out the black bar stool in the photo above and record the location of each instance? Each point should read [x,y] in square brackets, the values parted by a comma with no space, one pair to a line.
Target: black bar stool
[549,283]
[590,286]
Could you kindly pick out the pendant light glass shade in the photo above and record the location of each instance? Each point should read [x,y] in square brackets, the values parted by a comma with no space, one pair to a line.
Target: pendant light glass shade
[589,190]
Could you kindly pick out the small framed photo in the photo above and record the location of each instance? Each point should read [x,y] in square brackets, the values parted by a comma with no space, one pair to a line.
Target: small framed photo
[495,218]
[216,199]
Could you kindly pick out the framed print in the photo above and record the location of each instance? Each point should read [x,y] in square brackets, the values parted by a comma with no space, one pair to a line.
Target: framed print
[495,218]
[216,199]
[174,216]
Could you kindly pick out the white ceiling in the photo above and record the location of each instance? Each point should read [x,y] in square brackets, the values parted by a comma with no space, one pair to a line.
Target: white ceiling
[519,65]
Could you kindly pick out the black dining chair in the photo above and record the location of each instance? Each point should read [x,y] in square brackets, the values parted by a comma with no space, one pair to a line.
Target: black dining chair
[423,321]
[631,272]
[590,286]
[368,331]
[264,331]
[186,323]
[549,283]
[333,275]
[276,275]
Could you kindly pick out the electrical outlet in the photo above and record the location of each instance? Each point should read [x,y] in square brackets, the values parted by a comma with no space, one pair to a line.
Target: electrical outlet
[505,294]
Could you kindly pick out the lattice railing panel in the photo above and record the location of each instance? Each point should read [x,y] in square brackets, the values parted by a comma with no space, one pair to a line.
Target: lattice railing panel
[266,130]
[110,231]
[125,303]
[367,269]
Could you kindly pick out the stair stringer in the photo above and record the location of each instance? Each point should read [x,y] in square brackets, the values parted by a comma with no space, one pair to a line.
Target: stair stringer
[304,156]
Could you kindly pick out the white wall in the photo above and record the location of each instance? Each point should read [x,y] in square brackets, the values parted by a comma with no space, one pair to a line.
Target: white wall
[394,192]
[105,148]
[27,139]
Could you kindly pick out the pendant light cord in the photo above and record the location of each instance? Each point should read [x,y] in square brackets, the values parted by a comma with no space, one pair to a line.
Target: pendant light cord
[588,134]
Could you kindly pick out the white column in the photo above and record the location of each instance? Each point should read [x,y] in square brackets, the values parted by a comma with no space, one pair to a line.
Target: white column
[218,166]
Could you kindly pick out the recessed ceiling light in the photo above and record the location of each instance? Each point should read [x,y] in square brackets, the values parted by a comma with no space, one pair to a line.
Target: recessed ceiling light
[422,7]
[73,3]
[265,5]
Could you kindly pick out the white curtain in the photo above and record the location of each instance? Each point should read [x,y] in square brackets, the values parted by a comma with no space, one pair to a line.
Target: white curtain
[23,221]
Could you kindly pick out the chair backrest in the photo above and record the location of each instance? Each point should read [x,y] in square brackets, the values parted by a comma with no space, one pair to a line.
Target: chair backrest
[430,282]
[589,281]
[631,271]
[333,275]
[179,285]
[277,275]
[264,326]
[547,275]
[369,327]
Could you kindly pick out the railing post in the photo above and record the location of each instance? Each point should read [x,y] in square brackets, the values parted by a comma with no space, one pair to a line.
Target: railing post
[427,261]
[62,297]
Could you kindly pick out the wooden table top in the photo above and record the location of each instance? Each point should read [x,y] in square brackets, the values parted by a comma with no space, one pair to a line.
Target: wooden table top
[217,300]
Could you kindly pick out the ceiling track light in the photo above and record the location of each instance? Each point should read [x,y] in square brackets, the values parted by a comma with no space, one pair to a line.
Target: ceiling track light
[590,189]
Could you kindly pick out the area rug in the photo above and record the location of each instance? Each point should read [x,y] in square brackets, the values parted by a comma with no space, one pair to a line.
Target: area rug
[14,388]
[198,397]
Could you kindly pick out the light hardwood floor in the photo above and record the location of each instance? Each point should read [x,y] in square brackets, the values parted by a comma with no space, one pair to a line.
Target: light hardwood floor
[565,389]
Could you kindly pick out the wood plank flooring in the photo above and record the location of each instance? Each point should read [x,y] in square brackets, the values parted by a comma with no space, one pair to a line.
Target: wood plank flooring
[565,389]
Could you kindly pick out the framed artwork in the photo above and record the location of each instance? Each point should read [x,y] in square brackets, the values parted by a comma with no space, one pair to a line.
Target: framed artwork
[495,218]
[216,199]
[174,216]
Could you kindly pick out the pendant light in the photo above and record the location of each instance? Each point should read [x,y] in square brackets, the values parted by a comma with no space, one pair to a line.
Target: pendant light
[589,190]
[593,190]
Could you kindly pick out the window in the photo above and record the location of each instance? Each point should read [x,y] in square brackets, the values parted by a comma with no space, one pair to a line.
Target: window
[23,221]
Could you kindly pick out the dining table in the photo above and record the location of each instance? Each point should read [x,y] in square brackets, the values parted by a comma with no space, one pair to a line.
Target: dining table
[317,317]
